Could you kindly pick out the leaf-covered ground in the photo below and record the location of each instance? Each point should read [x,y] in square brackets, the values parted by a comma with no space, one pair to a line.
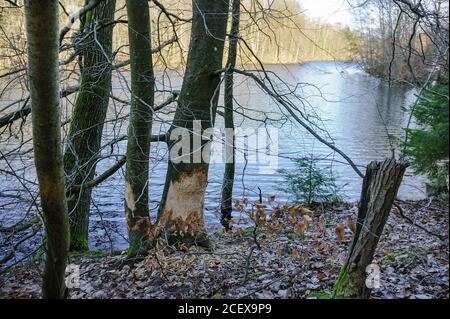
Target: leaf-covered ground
[298,258]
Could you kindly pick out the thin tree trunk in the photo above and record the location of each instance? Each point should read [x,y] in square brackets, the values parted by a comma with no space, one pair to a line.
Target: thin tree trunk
[228,178]
[380,187]
[182,203]
[140,127]
[43,47]
[89,115]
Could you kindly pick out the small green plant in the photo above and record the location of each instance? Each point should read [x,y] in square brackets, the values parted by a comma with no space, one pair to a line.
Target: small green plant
[332,264]
[309,183]
[416,255]
[255,274]
[93,254]
[291,235]
[390,259]
[217,296]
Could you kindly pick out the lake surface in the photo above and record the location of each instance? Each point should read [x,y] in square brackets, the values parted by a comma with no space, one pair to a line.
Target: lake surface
[357,110]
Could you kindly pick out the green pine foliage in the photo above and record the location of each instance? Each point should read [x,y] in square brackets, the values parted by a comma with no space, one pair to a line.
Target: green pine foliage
[308,183]
[427,145]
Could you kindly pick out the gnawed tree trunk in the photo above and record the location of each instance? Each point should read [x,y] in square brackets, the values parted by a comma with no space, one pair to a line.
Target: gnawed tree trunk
[139,130]
[380,187]
[43,47]
[182,203]
[83,145]
[228,178]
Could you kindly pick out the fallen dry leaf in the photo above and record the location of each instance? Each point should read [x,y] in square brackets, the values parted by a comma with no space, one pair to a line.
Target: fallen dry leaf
[305,211]
[340,232]
[300,229]
[351,225]
[271,199]
[307,221]
[322,223]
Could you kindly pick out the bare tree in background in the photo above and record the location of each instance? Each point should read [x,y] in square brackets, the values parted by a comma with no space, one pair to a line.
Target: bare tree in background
[406,39]
[228,178]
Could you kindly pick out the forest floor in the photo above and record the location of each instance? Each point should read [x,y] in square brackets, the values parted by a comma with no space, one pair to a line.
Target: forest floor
[291,261]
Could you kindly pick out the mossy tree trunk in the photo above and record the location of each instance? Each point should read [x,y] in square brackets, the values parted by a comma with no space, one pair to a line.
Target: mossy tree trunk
[182,203]
[380,187]
[84,139]
[43,47]
[140,126]
[228,178]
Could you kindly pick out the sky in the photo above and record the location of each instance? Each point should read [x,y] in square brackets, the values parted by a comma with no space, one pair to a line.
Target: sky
[330,11]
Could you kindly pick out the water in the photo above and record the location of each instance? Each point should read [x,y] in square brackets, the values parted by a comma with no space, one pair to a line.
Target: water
[356,109]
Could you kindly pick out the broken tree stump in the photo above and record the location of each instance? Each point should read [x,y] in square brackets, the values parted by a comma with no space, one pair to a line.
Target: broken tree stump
[379,190]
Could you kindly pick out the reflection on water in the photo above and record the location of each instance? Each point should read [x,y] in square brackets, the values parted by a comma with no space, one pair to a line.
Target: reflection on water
[358,111]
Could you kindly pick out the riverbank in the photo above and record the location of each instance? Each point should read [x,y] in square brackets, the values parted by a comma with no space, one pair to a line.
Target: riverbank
[352,94]
[290,262]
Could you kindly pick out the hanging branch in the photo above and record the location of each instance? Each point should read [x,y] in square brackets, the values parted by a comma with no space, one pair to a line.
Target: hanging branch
[303,123]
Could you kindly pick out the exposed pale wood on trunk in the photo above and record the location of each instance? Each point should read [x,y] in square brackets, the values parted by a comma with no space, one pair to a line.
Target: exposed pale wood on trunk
[140,127]
[182,203]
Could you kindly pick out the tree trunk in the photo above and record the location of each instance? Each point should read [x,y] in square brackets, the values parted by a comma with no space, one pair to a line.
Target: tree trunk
[380,187]
[43,48]
[182,203]
[83,145]
[228,178]
[140,127]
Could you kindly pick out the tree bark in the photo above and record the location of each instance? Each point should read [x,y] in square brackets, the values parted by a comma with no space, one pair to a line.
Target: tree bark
[83,145]
[43,47]
[140,126]
[228,178]
[182,203]
[380,187]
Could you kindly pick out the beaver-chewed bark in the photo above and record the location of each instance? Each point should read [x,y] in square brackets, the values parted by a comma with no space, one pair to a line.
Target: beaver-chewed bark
[181,210]
[140,126]
[43,48]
